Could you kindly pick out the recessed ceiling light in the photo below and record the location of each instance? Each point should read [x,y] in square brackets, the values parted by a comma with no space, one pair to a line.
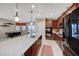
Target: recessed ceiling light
[33,6]
[51,14]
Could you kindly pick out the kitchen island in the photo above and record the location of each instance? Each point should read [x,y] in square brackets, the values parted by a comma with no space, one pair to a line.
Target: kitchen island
[18,46]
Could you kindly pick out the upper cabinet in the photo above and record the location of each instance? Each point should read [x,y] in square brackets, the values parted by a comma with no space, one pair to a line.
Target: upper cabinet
[68,11]
[51,23]
[54,23]
[48,23]
[48,28]
[60,22]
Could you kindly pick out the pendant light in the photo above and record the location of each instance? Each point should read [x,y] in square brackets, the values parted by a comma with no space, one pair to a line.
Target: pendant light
[16,15]
[31,17]
[32,13]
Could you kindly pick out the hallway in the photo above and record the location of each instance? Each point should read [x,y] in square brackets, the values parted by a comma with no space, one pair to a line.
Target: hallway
[56,50]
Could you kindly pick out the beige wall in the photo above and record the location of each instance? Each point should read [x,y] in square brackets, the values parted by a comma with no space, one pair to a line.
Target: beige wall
[40,27]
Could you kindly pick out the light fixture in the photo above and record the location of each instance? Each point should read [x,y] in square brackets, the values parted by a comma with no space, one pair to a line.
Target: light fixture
[32,13]
[16,15]
[31,23]
[33,6]
[16,18]
[51,14]
[32,35]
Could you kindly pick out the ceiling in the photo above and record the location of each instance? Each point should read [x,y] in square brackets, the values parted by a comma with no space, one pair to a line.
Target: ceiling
[41,10]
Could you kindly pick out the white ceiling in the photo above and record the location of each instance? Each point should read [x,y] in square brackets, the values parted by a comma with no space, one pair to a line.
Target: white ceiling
[49,10]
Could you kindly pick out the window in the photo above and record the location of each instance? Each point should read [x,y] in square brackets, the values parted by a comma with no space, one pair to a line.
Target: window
[24,27]
[17,28]
[74,30]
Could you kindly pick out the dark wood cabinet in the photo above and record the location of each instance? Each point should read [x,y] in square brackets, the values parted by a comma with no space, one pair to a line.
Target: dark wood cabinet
[50,25]
[56,37]
[28,52]
[54,24]
[48,29]
[34,49]
[68,11]
[48,32]
[60,23]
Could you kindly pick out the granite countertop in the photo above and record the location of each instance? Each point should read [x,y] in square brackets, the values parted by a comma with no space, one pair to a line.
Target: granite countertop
[60,35]
[16,46]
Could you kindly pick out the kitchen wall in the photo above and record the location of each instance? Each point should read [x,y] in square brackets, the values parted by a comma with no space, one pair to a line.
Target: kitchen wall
[3,30]
[40,27]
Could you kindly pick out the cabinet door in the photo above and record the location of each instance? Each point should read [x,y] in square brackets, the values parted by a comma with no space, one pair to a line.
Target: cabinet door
[28,52]
[38,44]
[55,24]
[34,50]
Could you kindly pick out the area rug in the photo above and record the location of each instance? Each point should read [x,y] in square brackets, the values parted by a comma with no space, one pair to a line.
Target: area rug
[47,51]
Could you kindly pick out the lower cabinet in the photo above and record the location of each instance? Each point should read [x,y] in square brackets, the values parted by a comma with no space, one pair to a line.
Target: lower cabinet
[28,52]
[67,51]
[58,39]
[33,50]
